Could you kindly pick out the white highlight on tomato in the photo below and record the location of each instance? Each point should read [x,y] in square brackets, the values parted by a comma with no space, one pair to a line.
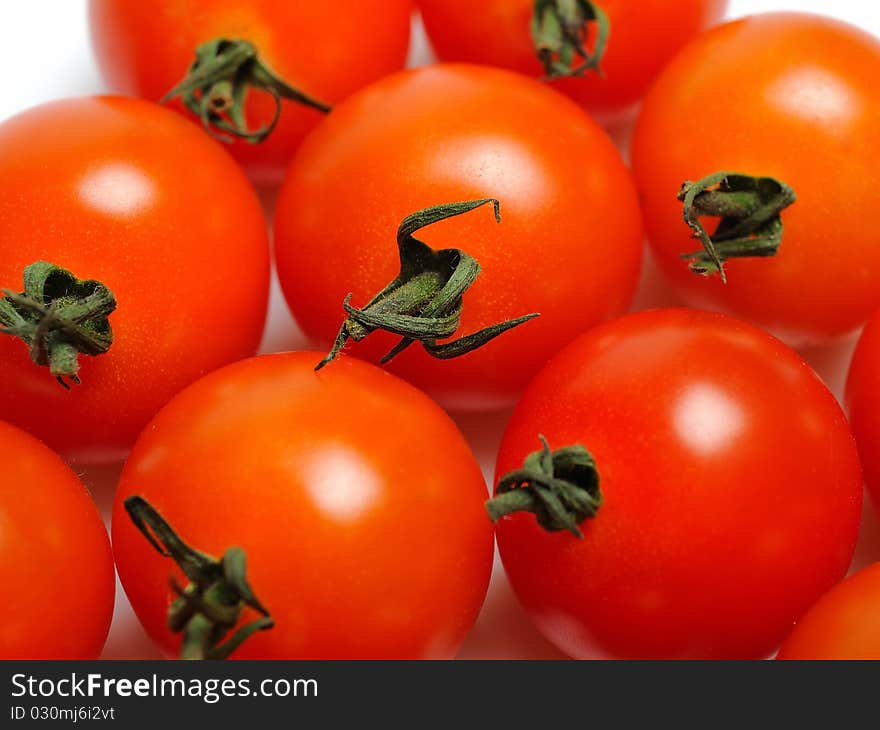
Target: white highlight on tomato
[117,189]
[341,483]
[816,96]
[707,419]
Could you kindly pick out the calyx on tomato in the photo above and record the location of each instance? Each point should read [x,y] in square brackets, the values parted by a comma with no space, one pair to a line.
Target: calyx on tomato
[217,85]
[559,28]
[211,606]
[59,317]
[424,303]
[561,488]
[750,211]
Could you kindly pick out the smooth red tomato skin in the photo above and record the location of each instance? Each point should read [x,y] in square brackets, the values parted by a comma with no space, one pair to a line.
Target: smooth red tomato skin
[125,192]
[843,625]
[645,35]
[56,565]
[327,50]
[454,133]
[863,404]
[356,499]
[786,95]
[731,485]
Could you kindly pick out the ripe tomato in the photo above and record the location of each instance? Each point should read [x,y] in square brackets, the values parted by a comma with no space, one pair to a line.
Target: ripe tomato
[863,404]
[124,192]
[326,50]
[55,560]
[843,625]
[730,484]
[456,133]
[789,96]
[645,34]
[355,498]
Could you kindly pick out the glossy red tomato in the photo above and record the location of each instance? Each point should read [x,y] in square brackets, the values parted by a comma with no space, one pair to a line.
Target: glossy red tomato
[55,561]
[326,50]
[863,404]
[457,133]
[124,192]
[789,96]
[356,499]
[731,491]
[645,34]
[843,625]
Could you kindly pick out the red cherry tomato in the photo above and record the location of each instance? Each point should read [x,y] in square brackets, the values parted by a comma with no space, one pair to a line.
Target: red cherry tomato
[731,491]
[124,192]
[326,50]
[55,560]
[645,34]
[457,133]
[356,499]
[843,625]
[863,404]
[789,96]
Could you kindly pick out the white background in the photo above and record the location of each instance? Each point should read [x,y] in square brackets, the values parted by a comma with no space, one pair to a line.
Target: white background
[46,54]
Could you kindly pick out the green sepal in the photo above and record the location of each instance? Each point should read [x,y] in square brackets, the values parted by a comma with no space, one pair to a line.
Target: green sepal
[749,209]
[561,488]
[59,317]
[217,85]
[559,28]
[424,303]
[207,610]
